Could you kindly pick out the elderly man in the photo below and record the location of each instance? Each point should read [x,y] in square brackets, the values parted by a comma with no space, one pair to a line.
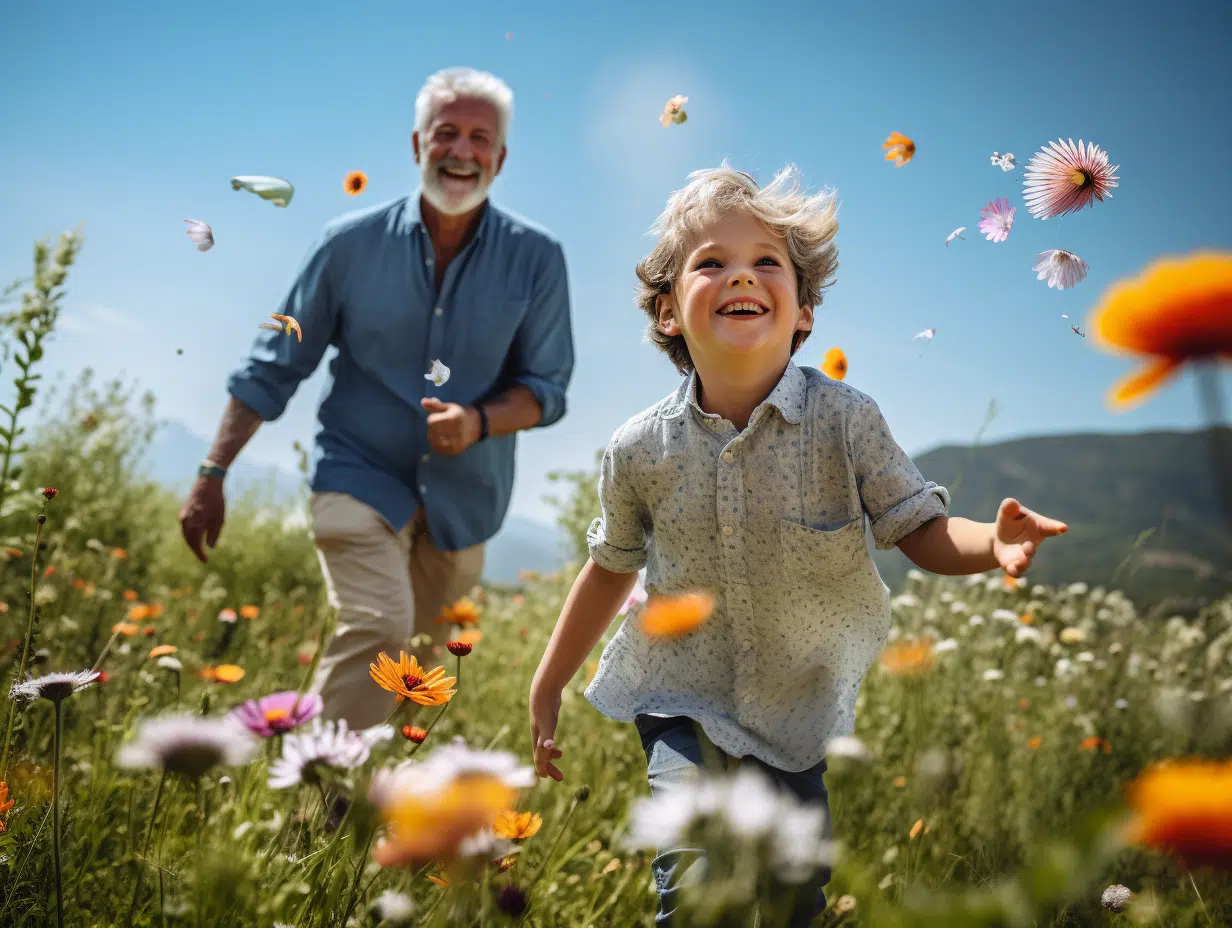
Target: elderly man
[410,478]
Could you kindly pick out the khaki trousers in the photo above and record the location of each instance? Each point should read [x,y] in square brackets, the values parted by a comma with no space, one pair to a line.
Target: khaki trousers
[387,586]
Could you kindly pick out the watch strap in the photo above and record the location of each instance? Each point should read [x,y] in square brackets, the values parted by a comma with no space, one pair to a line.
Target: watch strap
[483,421]
[209,469]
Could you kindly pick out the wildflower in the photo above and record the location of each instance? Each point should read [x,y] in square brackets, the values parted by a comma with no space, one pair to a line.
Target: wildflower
[5,802]
[846,746]
[161,650]
[992,675]
[1062,269]
[900,781]
[673,111]
[997,219]
[459,648]
[49,492]
[1115,897]
[407,680]
[187,743]
[1004,162]
[127,629]
[393,907]
[1174,311]
[834,364]
[1093,743]
[249,612]
[1066,178]
[227,615]
[325,744]
[674,616]
[517,826]
[899,149]
[223,673]
[414,733]
[278,713]
[916,828]
[154,610]
[138,612]
[1010,583]
[1027,618]
[1072,635]
[1034,742]
[1026,633]
[104,677]
[975,621]
[1122,703]
[463,612]
[119,554]
[1184,807]
[170,663]
[908,657]
[355,182]
[510,898]
[471,636]
[55,687]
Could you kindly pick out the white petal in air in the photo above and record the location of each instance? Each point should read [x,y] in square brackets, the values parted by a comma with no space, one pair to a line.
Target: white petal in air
[927,333]
[275,189]
[1004,162]
[955,234]
[201,234]
[439,373]
[1062,269]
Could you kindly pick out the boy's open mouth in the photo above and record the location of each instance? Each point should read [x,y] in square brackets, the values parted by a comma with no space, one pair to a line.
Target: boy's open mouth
[743,308]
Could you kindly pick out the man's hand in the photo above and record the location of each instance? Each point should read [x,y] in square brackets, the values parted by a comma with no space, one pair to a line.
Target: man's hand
[202,516]
[452,428]
[544,713]
[1017,535]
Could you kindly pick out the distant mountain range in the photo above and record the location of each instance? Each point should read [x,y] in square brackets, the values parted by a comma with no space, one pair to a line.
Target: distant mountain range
[175,452]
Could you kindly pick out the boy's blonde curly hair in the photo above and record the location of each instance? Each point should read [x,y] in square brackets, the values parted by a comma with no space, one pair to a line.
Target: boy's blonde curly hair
[808,223]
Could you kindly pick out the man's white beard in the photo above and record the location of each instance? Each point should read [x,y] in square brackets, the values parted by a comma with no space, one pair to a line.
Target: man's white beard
[445,201]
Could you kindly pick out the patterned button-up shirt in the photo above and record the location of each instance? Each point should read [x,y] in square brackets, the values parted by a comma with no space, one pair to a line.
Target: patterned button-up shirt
[771,521]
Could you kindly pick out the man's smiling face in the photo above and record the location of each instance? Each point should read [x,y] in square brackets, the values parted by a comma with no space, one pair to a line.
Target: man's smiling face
[459,155]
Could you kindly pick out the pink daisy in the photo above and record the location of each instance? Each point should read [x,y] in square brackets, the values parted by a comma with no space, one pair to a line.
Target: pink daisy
[1067,178]
[998,219]
[277,713]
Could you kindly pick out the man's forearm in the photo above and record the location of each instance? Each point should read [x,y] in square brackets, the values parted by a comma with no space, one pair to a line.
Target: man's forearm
[953,547]
[512,411]
[239,424]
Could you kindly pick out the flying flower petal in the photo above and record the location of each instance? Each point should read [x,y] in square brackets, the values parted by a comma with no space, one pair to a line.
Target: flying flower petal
[926,334]
[355,183]
[955,234]
[899,149]
[1064,178]
[275,189]
[287,326]
[439,373]
[1062,269]
[673,111]
[200,234]
[1004,162]
[998,219]
[834,364]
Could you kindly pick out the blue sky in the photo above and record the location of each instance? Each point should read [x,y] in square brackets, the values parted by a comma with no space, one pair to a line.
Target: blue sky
[131,117]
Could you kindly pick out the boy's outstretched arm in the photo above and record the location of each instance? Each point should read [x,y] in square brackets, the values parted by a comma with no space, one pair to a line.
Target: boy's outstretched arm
[596,596]
[955,547]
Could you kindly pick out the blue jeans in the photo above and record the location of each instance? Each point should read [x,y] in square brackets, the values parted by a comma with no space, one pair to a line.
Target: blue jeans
[673,747]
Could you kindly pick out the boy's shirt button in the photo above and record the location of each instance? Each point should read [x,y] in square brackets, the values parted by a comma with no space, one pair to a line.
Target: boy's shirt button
[727,530]
[728,457]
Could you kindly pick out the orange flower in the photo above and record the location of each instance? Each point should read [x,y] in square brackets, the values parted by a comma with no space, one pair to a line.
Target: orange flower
[78,583]
[918,827]
[127,629]
[355,183]
[1093,743]
[1010,583]
[1024,703]
[130,595]
[463,612]
[162,650]
[223,673]
[13,552]
[899,149]
[441,880]
[407,680]
[138,612]
[1027,618]
[517,826]
[149,631]
[5,802]
[155,610]
[908,657]
[900,782]
[119,554]
[50,569]
[430,825]
[414,733]
[1184,807]
[1175,310]
[249,612]
[1034,742]
[834,364]
[471,636]
[674,616]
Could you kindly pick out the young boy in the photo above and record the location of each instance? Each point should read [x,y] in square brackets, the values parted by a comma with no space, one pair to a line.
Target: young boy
[752,482]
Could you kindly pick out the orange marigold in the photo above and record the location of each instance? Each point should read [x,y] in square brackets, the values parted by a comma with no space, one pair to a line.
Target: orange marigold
[406,679]
[517,826]
[463,612]
[908,657]
[1184,807]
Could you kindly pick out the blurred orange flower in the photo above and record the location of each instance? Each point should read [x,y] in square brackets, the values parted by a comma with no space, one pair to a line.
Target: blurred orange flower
[908,657]
[471,636]
[355,182]
[119,554]
[130,595]
[834,364]
[430,825]
[899,149]
[918,827]
[162,650]
[1027,618]
[1184,807]
[5,802]
[155,610]
[223,673]
[1034,742]
[49,570]
[463,612]
[517,826]
[674,616]
[13,552]
[1093,743]
[1176,310]
[127,629]
[1012,583]
[249,612]
[138,612]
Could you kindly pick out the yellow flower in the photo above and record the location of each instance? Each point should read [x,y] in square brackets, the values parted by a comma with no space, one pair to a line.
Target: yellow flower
[127,629]
[834,364]
[1034,742]
[517,826]
[355,183]
[223,673]
[899,149]
[162,650]
[674,616]
[463,612]
[430,825]
[1184,807]
[1176,310]
[407,680]
[918,827]
[249,612]
[1072,635]
[138,612]
[1093,743]
[908,657]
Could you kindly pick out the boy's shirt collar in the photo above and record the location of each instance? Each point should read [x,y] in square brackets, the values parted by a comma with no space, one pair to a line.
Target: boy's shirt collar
[787,396]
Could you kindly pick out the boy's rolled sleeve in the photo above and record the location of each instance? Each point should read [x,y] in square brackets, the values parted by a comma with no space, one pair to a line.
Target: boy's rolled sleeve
[894,493]
[543,350]
[617,539]
[279,362]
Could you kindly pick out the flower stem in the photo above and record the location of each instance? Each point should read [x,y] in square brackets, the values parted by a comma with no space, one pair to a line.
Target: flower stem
[145,850]
[25,651]
[1200,902]
[359,872]
[551,850]
[55,814]
[428,730]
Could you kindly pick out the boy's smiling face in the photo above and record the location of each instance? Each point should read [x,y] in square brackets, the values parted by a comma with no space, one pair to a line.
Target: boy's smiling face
[736,300]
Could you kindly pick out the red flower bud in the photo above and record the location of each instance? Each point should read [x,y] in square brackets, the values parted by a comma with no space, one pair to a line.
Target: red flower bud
[50,492]
[459,648]
[413,733]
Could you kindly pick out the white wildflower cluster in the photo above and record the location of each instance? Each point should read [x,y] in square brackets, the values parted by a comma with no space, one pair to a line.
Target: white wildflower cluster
[326,744]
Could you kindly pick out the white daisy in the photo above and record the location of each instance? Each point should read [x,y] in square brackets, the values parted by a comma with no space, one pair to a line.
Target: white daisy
[187,743]
[325,744]
[393,907]
[993,674]
[848,746]
[800,845]
[484,845]
[167,662]
[1004,162]
[945,644]
[455,760]
[53,686]
[1062,269]
[1027,633]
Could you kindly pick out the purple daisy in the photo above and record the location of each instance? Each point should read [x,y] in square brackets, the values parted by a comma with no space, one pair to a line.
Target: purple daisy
[998,219]
[277,713]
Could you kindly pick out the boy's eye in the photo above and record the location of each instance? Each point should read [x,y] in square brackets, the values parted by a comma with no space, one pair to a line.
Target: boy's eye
[709,261]
[768,258]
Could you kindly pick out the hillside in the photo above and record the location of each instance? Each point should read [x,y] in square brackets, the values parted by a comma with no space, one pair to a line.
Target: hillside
[1108,488]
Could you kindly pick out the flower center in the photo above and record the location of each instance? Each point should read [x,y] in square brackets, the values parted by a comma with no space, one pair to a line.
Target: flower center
[410,681]
[1079,177]
[279,719]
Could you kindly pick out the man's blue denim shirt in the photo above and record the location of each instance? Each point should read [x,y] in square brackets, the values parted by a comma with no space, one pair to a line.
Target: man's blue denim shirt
[367,288]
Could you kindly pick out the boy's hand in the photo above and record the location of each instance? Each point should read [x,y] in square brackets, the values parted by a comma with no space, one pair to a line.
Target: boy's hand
[544,712]
[1017,535]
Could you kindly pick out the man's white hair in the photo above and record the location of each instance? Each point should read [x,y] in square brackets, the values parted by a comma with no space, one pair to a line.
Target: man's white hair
[451,84]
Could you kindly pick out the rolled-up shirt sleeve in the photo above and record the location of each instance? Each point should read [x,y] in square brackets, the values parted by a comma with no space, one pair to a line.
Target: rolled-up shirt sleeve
[617,539]
[543,349]
[894,493]
[279,362]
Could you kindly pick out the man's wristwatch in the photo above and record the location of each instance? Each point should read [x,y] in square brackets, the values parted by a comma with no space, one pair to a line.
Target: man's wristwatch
[483,422]
[209,469]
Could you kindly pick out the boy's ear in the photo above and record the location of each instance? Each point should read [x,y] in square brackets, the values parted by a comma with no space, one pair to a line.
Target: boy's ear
[805,322]
[665,308]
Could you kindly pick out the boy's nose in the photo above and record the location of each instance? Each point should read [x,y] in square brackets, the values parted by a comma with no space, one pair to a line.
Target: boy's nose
[742,279]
